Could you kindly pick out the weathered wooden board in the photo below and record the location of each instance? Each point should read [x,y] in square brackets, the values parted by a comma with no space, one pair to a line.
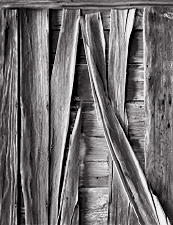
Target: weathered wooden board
[158,40]
[56,15]
[69,195]
[121,25]
[61,90]
[34,95]
[131,173]
[94,174]
[93,206]
[8,117]
[81,4]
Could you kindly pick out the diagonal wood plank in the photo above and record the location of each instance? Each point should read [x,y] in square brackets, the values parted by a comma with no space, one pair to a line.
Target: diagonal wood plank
[121,24]
[34,86]
[158,43]
[127,164]
[69,196]
[61,92]
[8,117]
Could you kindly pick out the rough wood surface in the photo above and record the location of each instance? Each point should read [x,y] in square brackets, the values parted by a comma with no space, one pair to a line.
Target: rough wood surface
[8,117]
[81,4]
[34,95]
[129,169]
[61,90]
[158,39]
[121,24]
[93,206]
[69,195]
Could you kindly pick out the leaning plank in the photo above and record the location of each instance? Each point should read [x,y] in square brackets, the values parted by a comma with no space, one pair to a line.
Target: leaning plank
[69,195]
[61,91]
[158,40]
[96,42]
[128,166]
[34,86]
[8,117]
[121,24]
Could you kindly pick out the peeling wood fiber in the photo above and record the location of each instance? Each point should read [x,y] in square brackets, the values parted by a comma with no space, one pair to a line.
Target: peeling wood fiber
[8,117]
[158,46]
[34,96]
[61,91]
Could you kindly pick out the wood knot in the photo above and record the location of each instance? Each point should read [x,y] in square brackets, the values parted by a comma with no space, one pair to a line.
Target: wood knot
[169,15]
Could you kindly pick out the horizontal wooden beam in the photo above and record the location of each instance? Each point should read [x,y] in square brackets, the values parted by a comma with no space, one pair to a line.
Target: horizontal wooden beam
[52,4]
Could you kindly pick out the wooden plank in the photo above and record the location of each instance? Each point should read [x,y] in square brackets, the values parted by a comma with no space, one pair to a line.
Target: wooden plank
[121,24]
[93,206]
[129,169]
[94,174]
[93,149]
[8,117]
[56,16]
[69,195]
[158,41]
[61,91]
[82,4]
[34,86]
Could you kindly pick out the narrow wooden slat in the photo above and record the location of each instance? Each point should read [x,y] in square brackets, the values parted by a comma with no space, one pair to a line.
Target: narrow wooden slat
[129,169]
[69,195]
[121,24]
[61,91]
[8,117]
[96,42]
[81,4]
[158,40]
[93,206]
[34,95]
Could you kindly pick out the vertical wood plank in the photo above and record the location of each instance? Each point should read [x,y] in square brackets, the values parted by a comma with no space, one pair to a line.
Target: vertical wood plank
[61,91]
[131,174]
[158,45]
[121,24]
[8,116]
[69,196]
[34,88]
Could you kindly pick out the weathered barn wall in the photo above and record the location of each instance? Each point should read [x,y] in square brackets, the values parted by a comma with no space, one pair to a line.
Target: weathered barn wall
[93,153]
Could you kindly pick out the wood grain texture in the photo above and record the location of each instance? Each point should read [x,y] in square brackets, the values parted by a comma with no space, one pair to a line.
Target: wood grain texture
[121,24]
[79,4]
[135,47]
[96,42]
[93,206]
[129,169]
[69,194]
[56,16]
[34,95]
[61,91]
[158,41]
[8,117]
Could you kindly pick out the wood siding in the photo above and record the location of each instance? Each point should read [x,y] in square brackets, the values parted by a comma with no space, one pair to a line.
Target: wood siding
[34,97]
[44,147]
[158,36]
